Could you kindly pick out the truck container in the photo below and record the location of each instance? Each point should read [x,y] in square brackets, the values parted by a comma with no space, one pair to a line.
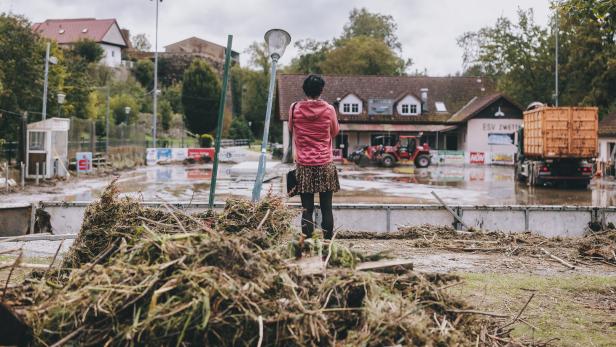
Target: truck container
[561,132]
[557,145]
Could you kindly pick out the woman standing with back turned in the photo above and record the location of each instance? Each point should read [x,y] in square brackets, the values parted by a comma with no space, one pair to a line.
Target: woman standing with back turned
[314,125]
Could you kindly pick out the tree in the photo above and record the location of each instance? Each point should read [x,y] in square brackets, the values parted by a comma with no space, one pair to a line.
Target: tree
[144,73]
[368,41]
[363,55]
[141,43]
[173,94]
[89,50]
[200,97]
[518,55]
[165,113]
[118,104]
[239,129]
[375,25]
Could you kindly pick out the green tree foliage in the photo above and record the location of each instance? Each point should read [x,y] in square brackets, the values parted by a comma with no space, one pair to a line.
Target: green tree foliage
[363,55]
[375,25]
[239,129]
[144,73]
[173,94]
[200,97]
[118,104]
[21,62]
[89,50]
[141,43]
[171,70]
[368,45]
[519,55]
[164,107]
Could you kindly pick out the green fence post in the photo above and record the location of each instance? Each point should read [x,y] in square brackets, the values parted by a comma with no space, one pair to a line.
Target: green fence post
[221,111]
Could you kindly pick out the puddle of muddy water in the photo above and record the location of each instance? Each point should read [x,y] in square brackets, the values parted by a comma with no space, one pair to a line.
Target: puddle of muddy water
[455,184]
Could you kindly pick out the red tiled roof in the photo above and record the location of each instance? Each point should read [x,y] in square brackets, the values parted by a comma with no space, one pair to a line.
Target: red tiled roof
[455,92]
[66,31]
[607,126]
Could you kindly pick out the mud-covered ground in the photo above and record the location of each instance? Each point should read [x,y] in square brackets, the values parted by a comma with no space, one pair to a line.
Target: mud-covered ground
[404,185]
[569,307]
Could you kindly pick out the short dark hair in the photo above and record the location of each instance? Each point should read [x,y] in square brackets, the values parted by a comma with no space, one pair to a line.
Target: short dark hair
[313,86]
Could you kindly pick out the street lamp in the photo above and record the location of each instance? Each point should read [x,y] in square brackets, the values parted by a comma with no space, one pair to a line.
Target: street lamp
[277,41]
[154,107]
[127,111]
[61,96]
[54,61]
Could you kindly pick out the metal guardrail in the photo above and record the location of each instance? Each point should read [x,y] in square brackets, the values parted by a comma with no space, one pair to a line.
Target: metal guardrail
[548,221]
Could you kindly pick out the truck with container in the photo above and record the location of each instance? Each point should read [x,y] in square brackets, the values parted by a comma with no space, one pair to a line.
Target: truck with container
[557,146]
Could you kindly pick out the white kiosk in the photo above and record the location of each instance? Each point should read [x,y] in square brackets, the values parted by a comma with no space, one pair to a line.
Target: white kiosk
[48,146]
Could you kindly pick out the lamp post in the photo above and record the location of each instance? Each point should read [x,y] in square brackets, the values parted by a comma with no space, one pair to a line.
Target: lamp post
[154,107]
[48,60]
[61,96]
[277,41]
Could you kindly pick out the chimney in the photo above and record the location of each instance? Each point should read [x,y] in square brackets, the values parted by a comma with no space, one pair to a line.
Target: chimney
[424,100]
[126,34]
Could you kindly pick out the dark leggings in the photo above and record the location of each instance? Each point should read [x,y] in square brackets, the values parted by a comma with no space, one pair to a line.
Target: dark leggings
[325,201]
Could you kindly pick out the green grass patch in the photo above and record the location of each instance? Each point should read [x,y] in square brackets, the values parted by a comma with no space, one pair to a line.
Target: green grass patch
[579,310]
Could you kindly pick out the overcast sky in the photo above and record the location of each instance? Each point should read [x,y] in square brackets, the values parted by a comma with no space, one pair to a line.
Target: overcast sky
[427,29]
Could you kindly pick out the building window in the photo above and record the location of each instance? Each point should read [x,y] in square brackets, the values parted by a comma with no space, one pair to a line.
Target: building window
[386,139]
[350,108]
[37,141]
[409,109]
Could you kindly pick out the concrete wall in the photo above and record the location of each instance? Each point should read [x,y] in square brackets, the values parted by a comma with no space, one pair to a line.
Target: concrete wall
[548,221]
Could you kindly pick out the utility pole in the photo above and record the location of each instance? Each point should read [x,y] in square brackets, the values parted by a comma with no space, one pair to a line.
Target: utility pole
[45,84]
[154,108]
[107,125]
[556,61]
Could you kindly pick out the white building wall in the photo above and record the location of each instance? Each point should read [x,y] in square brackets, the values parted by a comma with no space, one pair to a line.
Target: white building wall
[604,148]
[477,144]
[112,56]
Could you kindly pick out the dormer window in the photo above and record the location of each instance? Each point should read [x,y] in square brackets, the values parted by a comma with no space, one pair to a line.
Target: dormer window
[409,106]
[351,104]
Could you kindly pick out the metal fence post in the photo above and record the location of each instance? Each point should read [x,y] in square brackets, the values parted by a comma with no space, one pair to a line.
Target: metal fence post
[23,175]
[6,176]
[37,173]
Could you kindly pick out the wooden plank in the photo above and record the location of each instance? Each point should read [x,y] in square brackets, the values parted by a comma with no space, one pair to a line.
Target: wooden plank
[386,266]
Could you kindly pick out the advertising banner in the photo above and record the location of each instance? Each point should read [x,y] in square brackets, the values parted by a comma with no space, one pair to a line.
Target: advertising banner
[198,153]
[84,162]
[502,158]
[477,157]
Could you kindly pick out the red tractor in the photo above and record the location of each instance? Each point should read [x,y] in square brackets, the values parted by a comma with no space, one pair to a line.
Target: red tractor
[407,148]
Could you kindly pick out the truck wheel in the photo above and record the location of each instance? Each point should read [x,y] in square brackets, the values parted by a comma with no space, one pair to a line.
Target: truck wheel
[422,161]
[388,161]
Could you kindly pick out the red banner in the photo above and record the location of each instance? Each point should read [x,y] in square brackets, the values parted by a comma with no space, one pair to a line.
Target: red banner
[198,153]
[478,157]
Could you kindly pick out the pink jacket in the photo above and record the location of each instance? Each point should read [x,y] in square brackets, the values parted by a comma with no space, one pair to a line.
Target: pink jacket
[313,125]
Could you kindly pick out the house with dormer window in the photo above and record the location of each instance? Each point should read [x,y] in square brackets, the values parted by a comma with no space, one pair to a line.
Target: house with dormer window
[464,116]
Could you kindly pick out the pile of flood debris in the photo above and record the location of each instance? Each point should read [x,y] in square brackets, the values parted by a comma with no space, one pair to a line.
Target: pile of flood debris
[600,246]
[141,276]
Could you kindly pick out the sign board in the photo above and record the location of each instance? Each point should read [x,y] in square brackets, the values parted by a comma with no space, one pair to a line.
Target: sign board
[231,155]
[477,157]
[84,162]
[447,157]
[163,154]
[198,153]
[383,107]
[337,154]
[502,158]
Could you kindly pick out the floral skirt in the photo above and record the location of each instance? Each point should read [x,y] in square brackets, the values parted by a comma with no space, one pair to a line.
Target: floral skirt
[317,179]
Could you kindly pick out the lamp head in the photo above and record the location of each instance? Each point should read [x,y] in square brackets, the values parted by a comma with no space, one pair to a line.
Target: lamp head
[61,97]
[277,41]
[127,109]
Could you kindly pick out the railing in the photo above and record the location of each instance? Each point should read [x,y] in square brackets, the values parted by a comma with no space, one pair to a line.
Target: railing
[9,152]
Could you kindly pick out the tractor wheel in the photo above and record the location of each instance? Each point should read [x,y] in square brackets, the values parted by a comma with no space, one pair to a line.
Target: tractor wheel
[422,161]
[388,161]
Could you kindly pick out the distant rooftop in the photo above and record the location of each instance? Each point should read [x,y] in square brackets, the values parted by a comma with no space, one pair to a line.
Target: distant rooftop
[67,31]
